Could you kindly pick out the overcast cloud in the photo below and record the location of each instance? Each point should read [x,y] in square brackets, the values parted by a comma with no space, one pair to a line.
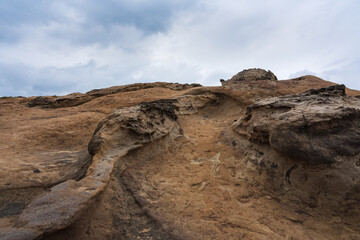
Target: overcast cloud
[64,46]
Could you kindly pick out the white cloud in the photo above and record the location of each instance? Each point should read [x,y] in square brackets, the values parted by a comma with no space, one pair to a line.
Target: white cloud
[78,45]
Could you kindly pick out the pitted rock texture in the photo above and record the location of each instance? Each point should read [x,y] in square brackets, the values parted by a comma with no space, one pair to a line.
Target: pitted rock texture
[315,127]
[167,164]
[125,129]
[309,146]
[141,124]
[252,74]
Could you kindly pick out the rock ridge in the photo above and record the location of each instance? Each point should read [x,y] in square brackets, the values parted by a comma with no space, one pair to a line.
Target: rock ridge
[76,99]
[252,74]
[255,159]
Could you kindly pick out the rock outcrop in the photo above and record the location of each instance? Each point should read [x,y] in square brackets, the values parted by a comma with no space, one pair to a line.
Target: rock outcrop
[314,140]
[255,159]
[75,99]
[316,127]
[252,74]
[124,130]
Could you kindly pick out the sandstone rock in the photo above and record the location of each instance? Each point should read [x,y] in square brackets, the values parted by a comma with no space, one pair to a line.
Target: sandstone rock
[18,234]
[123,130]
[51,168]
[310,145]
[315,127]
[175,168]
[75,99]
[190,104]
[253,74]
[140,124]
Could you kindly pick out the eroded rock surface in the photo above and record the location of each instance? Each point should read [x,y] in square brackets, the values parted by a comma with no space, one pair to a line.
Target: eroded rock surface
[313,139]
[189,163]
[315,127]
[75,99]
[252,74]
[124,130]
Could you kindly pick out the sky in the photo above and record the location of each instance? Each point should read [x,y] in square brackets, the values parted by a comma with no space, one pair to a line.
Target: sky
[63,46]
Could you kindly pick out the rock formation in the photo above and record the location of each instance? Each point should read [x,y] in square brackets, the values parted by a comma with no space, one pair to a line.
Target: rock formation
[75,99]
[250,160]
[252,74]
[316,127]
[317,137]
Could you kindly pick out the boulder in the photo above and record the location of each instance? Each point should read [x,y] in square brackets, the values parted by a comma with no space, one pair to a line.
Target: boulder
[252,74]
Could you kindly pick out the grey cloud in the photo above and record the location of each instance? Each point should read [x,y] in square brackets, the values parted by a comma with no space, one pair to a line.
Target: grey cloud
[25,12]
[91,21]
[348,75]
[149,16]
[15,14]
[55,47]
[23,80]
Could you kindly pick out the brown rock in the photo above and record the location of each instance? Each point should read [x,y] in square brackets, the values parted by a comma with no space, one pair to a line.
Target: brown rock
[311,145]
[166,163]
[316,126]
[252,74]
[75,99]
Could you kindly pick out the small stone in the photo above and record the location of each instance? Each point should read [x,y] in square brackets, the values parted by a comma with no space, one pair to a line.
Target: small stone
[36,170]
[336,219]
[145,230]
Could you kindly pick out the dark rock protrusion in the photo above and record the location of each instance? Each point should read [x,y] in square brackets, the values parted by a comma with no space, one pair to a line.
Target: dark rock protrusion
[316,126]
[131,126]
[164,106]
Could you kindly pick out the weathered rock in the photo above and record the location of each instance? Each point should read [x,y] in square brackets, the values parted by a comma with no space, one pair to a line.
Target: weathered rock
[190,104]
[174,169]
[75,99]
[252,74]
[18,234]
[136,125]
[315,127]
[52,168]
[310,146]
[122,131]
[40,101]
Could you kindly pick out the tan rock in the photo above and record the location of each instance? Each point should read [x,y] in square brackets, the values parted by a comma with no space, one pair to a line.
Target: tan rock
[252,74]
[166,163]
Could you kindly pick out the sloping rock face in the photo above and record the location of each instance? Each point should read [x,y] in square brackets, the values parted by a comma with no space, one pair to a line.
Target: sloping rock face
[124,130]
[141,124]
[151,161]
[252,74]
[75,99]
